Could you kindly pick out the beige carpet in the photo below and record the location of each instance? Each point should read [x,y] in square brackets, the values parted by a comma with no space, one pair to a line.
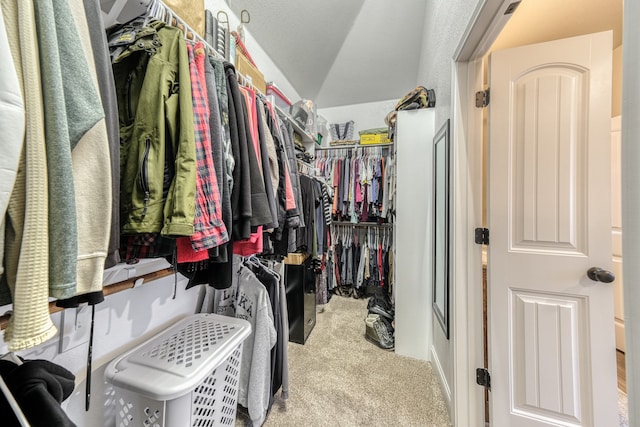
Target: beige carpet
[340,379]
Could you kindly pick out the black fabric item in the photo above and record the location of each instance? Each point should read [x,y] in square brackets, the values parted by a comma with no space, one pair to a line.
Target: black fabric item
[260,213]
[217,150]
[321,226]
[221,274]
[92,298]
[215,274]
[39,387]
[357,252]
[287,134]
[241,193]
[305,238]
[266,168]
[281,195]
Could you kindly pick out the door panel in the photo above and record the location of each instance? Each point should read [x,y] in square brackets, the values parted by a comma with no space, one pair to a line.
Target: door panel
[547,145]
[548,354]
[552,351]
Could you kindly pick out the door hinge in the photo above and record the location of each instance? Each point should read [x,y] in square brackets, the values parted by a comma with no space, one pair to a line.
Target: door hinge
[482,98]
[483,378]
[512,8]
[482,236]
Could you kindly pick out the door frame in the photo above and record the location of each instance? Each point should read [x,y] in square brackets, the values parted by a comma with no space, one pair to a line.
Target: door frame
[486,23]
[631,201]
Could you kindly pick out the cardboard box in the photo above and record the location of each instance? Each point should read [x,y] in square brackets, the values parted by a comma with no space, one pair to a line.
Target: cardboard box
[247,69]
[296,258]
[372,139]
[191,11]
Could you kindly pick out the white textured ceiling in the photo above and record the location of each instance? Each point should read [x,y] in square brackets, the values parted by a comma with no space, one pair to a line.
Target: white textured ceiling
[339,52]
[342,52]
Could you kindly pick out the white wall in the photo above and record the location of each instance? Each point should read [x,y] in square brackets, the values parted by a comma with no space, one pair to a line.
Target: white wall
[445,24]
[365,116]
[372,40]
[414,233]
[121,321]
[265,64]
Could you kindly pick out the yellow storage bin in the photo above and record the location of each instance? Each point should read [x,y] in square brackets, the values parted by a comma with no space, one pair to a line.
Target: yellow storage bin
[372,139]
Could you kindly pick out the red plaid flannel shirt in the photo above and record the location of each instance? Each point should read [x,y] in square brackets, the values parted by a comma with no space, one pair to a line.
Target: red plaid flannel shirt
[210,231]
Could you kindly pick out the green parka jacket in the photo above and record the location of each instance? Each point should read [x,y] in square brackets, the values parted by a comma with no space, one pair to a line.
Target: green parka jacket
[157,143]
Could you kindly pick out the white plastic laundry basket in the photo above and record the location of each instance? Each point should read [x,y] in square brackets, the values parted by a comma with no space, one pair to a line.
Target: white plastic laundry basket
[187,375]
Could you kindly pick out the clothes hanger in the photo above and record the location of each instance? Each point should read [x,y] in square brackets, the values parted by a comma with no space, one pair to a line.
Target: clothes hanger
[245,18]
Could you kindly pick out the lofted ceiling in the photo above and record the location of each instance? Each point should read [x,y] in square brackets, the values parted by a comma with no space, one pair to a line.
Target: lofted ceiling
[339,52]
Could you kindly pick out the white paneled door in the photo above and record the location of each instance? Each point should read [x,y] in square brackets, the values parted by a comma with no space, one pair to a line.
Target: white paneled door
[551,332]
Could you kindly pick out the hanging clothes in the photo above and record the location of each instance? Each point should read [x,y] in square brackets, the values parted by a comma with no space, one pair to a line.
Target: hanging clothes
[248,299]
[272,281]
[107,88]
[158,181]
[362,258]
[361,182]
[92,181]
[218,152]
[12,121]
[209,230]
[27,238]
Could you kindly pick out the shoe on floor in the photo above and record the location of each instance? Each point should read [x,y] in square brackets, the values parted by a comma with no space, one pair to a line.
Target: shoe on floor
[379,331]
[378,305]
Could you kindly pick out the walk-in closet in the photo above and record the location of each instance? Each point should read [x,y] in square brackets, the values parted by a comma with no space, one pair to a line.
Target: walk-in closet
[285,213]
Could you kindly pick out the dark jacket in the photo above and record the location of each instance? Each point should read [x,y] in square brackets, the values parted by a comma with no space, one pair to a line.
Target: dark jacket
[249,201]
[151,70]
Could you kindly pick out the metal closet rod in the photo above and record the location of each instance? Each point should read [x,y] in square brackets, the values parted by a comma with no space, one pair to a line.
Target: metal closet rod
[362,224]
[188,31]
[351,147]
